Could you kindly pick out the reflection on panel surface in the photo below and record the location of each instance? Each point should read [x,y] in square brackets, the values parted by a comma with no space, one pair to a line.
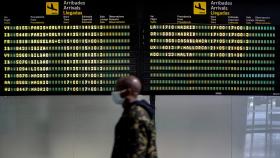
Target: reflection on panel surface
[263,128]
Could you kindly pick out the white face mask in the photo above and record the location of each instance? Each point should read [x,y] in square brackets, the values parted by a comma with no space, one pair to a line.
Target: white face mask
[116,96]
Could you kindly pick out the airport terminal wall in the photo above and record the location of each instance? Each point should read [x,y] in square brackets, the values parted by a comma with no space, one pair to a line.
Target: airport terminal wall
[187,126]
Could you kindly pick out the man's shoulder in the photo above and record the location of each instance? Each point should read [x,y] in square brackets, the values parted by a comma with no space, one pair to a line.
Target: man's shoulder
[139,113]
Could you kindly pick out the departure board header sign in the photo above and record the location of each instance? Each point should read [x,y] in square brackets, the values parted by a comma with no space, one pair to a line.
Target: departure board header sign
[199,48]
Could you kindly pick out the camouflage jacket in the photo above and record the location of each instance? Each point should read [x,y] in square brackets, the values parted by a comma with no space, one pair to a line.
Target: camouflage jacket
[135,133]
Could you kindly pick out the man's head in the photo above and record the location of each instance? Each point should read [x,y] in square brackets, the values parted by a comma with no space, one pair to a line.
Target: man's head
[128,88]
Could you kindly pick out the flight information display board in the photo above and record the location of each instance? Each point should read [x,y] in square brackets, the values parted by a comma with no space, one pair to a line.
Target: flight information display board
[66,54]
[199,48]
[213,48]
[217,58]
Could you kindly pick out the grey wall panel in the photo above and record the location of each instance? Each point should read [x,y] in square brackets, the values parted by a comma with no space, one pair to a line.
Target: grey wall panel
[193,126]
[23,132]
[239,117]
[57,126]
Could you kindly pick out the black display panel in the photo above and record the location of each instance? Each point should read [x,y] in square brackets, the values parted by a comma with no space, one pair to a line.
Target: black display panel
[190,48]
[79,51]
[224,49]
